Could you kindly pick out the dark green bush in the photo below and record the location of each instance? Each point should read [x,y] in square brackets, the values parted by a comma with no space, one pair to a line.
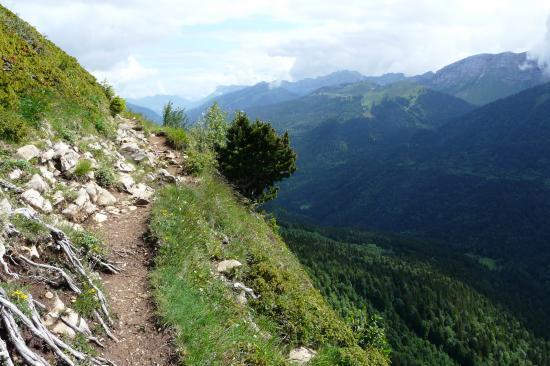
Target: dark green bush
[118,105]
[105,177]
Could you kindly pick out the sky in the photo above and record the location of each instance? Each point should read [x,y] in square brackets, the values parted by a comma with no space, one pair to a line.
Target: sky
[188,47]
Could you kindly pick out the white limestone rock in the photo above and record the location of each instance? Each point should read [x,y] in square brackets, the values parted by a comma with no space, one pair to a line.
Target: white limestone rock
[47,174]
[126,181]
[228,265]
[5,207]
[68,160]
[27,152]
[35,200]
[301,355]
[104,197]
[59,315]
[99,218]
[141,193]
[15,174]
[38,184]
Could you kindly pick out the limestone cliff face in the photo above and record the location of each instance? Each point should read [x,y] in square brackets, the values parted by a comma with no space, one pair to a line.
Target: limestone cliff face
[484,78]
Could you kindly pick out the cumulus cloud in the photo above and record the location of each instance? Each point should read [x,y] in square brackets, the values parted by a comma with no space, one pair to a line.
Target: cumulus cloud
[541,51]
[195,45]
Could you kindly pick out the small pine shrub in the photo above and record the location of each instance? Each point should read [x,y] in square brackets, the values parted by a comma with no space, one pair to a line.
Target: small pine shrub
[31,230]
[105,177]
[82,168]
[118,105]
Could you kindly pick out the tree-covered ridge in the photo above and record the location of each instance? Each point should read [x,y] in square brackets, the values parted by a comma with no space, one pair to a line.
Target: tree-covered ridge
[430,317]
[38,80]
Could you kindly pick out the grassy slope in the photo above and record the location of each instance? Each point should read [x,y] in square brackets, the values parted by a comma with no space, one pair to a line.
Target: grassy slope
[39,81]
[211,328]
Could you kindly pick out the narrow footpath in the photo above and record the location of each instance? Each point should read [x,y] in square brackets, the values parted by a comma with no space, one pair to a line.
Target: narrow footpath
[142,342]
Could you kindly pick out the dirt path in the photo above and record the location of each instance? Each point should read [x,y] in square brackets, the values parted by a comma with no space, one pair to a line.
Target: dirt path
[142,342]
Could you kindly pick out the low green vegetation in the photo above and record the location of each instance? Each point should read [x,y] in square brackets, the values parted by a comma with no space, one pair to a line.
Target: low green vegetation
[105,176]
[190,224]
[82,168]
[60,91]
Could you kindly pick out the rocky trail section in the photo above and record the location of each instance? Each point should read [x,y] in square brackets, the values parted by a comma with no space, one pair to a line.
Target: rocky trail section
[59,297]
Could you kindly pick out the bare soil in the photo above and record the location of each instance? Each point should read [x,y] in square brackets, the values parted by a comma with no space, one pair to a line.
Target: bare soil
[142,341]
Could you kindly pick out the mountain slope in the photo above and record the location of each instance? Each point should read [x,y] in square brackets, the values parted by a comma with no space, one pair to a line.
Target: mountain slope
[265,94]
[39,80]
[484,78]
[145,112]
[157,102]
[397,107]
[432,317]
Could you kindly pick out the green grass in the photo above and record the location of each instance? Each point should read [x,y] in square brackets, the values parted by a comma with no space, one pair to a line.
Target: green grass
[40,82]
[82,168]
[211,328]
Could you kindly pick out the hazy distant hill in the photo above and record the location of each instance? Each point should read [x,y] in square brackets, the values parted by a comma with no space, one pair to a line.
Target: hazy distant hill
[157,102]
[264,94]
[144,111]
[484,78]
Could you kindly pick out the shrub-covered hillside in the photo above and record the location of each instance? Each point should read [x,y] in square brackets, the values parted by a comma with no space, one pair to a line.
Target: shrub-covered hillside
[38,80]
[220,322]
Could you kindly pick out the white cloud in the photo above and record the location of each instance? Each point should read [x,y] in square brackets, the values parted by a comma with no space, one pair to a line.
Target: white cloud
[541,51]
[196,45]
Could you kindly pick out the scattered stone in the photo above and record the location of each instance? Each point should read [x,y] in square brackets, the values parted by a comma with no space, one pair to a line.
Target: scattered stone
[104,197]
[68,160]
[15,174]
[33,252]
[58,198]
[142,194]
[166,176]
[301,355]
[48,175]
[59,315]
[47,155]
[125,167]
[228,265]
[247,290]
[27,152]
[99,218]
[5,207]
[48,295]
[38,184]
[126,181]
[241,298]
[35,199]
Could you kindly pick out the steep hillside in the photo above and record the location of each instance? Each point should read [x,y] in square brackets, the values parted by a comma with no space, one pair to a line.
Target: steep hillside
[38,80]
[76,192]
[432,318]
[479,182]
[233,291]
[484,78]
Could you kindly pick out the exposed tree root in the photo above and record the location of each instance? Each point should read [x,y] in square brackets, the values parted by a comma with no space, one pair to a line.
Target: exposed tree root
[74,276]
[35,325]
[5,358]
